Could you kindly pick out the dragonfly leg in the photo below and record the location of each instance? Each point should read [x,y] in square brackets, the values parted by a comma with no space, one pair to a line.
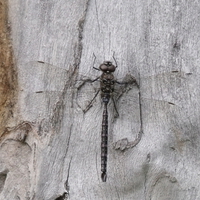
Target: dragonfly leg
[94,62]
[129,80]
[115,107]
[115,60]
[90,104]
[121,83]
[95,79]
[126,83]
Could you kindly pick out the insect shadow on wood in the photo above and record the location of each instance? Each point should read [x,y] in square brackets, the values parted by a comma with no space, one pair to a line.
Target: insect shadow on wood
[107,90]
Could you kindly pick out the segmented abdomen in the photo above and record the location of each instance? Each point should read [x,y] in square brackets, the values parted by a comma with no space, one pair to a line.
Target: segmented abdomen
[104,143]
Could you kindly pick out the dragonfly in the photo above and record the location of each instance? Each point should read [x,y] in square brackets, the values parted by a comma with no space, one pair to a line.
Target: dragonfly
[107,82]
[107,91]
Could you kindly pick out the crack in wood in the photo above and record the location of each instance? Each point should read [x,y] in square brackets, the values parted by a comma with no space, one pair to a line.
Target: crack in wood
[18,132]
[58,111]
[66,185]
[3,176]
[97,15]
[146,170]
[62,197]
[79,47]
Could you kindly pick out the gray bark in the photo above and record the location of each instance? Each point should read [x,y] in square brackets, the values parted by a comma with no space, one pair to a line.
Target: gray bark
[51,149]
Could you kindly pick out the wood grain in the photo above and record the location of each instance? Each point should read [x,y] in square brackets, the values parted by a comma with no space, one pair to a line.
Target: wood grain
[157,42]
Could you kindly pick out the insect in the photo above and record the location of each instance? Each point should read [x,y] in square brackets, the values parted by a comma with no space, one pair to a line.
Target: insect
[107,82]
[50,87]
[107,88]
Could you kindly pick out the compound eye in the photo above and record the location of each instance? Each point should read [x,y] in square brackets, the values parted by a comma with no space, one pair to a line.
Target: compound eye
[111,68]
[103,67]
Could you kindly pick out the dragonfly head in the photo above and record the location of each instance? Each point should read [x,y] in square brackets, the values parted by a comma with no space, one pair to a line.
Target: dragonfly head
[107,67]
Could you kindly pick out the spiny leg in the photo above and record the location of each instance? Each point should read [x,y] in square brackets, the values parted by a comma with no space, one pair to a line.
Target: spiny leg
[90,104]
[94,62]
[95,79]
[130,80]
[115,60]
[115,107]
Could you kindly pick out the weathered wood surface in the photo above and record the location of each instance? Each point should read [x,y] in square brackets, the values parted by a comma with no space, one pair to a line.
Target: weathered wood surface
[50,149]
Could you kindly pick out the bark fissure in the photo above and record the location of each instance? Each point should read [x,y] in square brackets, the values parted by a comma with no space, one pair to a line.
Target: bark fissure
[97,15]
[3,176]
[78,50]
[60,105]
[62,197]
[18,133]
[146,170]
[67,187]
[68,141]
[58,112]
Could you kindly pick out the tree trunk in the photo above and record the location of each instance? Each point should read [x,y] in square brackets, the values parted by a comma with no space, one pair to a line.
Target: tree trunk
[50,143]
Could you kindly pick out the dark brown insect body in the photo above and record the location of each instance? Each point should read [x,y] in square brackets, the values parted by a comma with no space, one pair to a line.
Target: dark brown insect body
[107,82]
[107,88]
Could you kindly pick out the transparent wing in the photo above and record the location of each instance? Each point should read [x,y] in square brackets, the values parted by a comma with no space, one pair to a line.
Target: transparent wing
[157,90]
[163,94]
[87,94]
[44,77]
[163,87]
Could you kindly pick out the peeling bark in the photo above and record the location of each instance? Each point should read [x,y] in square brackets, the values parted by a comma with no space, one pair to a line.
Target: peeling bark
[8,75]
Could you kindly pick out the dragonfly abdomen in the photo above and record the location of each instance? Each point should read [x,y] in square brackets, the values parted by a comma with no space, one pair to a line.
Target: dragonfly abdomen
[104,143]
